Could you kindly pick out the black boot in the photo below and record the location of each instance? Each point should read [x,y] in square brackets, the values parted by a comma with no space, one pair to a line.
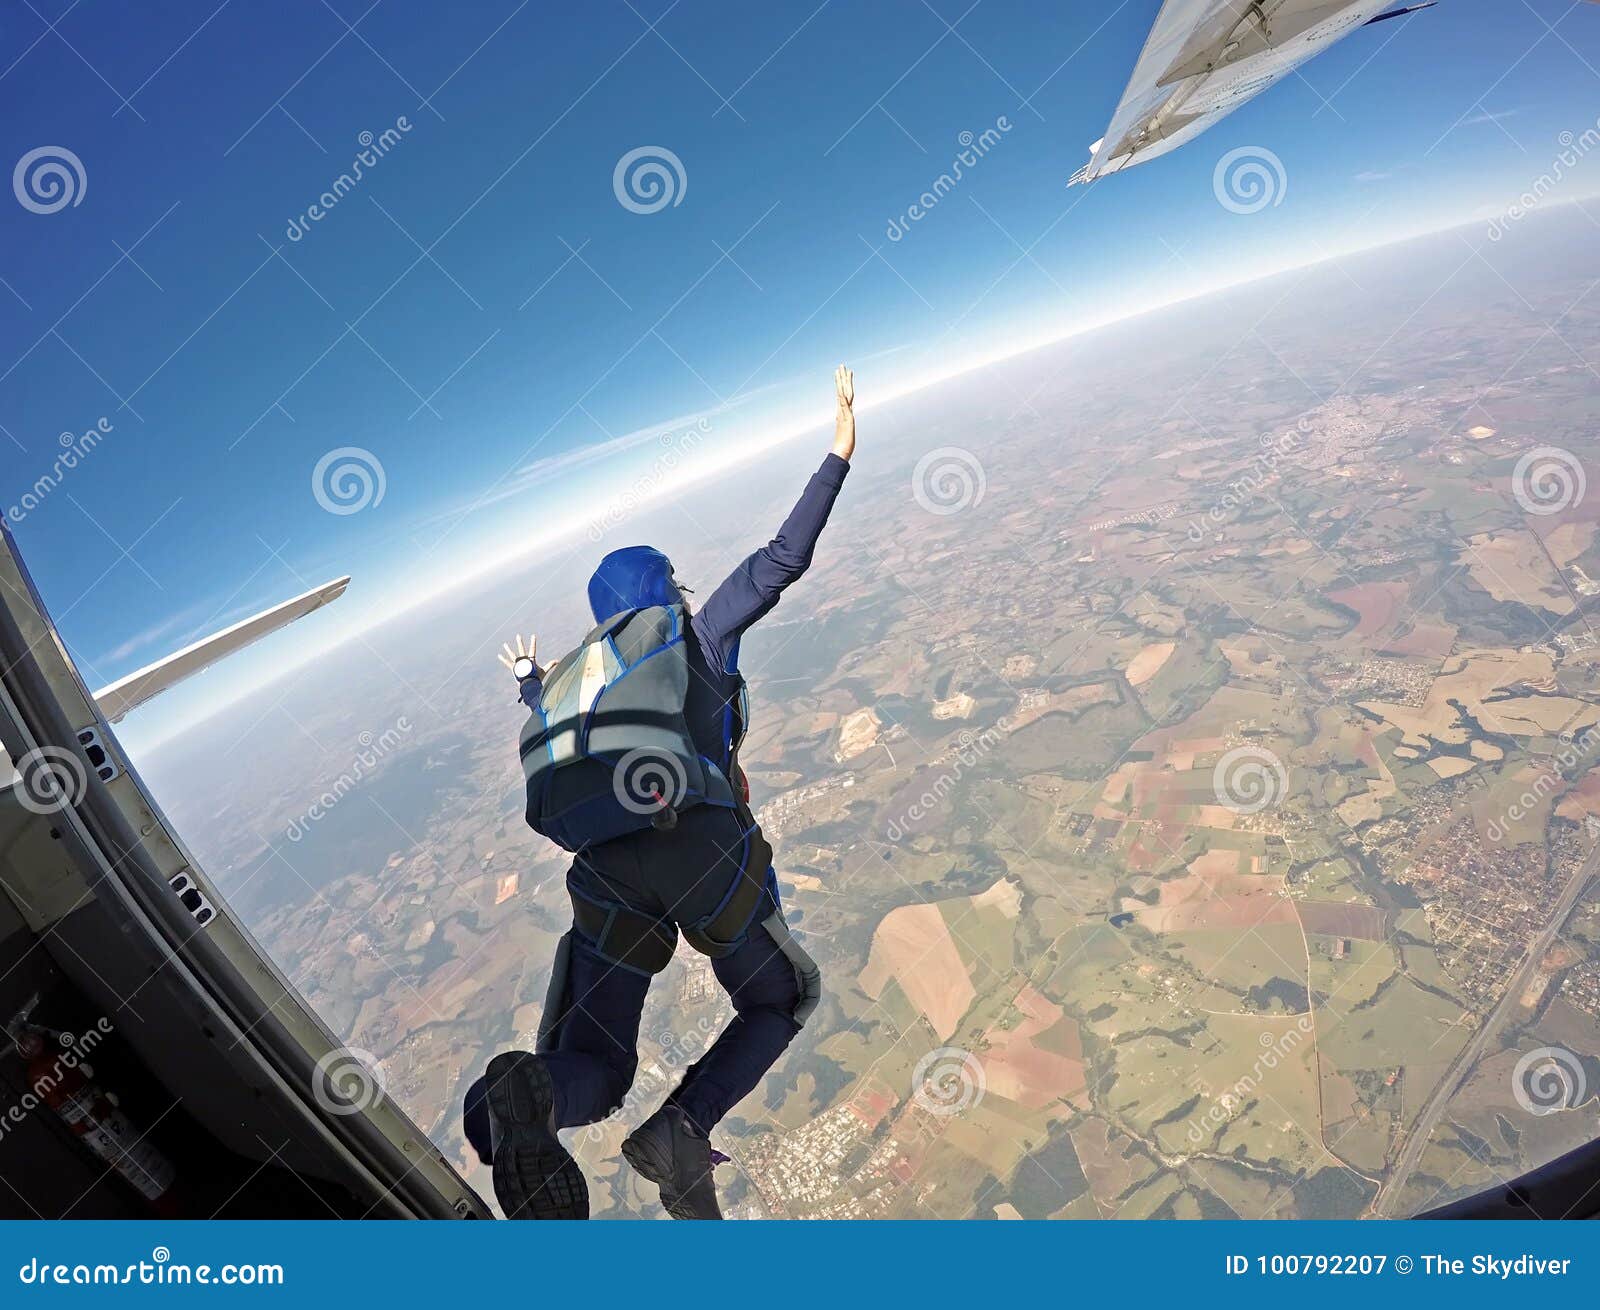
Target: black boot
[677,1157]
[534,1175]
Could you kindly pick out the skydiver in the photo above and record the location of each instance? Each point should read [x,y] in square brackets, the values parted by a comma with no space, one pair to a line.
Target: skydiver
[700,867]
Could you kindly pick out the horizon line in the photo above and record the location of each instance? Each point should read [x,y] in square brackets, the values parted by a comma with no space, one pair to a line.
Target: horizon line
[572,525]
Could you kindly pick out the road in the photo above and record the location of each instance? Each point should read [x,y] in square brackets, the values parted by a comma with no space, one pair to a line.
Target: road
[1464,1063]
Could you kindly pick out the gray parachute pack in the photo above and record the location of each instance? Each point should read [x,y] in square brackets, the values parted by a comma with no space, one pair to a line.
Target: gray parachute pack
[607,750]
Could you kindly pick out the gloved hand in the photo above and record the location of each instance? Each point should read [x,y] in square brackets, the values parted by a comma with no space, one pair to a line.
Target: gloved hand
[513,656]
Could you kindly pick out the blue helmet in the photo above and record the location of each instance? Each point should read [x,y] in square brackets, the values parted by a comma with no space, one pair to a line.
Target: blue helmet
[632,578]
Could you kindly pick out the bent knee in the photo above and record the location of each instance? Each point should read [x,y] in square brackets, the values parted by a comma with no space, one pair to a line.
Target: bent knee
[619,1078]
[785,990]
[804,989]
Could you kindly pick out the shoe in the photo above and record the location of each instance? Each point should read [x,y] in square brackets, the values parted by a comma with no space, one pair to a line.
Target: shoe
[677,1157]
[535,1177]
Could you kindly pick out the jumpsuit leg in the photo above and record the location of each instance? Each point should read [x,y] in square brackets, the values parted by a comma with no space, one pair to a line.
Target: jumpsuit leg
[597,1048]
[761,983]
[475,1121]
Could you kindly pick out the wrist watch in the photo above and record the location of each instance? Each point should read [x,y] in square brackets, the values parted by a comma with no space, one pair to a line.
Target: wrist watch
[523,668]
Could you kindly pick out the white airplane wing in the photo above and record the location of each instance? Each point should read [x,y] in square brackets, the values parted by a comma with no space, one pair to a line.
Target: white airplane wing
[1205,58]
[134,690]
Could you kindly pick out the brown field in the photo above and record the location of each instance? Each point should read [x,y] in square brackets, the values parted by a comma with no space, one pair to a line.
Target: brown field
[1341,919]
[1147,663]
[1216,864]
[1471,679]
[1211,899]
[1536,715]
[1072,701]
[1039,1061]
[1568,541]
[913,947]
[1512,567]
[1250,657]
[1377,603]
[1106,1161]
[1005,896]
[1368,804]
[1583,799]
[1431,640]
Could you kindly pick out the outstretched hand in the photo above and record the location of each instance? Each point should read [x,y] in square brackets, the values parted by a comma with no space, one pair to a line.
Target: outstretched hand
[509,655]
[844,418]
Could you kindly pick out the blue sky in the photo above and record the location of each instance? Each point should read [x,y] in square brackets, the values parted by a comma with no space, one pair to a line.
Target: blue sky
[507,339]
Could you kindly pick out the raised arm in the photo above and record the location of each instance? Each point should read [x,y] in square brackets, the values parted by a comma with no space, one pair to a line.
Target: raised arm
[752,589]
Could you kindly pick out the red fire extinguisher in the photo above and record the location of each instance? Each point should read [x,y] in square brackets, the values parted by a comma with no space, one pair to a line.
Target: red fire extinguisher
[64,1082]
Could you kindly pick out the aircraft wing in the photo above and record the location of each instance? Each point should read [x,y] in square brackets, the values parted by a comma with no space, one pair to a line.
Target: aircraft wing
[134,690]
[1205,58]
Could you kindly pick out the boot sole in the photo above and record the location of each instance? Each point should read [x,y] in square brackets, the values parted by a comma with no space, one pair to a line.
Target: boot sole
[535,1177]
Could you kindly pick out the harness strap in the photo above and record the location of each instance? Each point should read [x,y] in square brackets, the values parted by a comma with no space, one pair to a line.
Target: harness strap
[645,943]
[636,941]
[723,932]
